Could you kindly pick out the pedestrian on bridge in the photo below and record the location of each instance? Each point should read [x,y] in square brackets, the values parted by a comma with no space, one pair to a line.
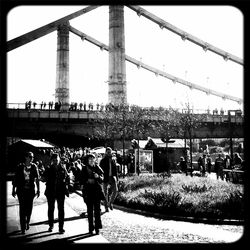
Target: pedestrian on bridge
[57,180]
[26,175]
[109,168]
[80,105]
[90,180]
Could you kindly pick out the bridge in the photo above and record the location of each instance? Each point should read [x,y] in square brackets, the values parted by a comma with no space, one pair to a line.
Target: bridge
[35,122]
[23,122]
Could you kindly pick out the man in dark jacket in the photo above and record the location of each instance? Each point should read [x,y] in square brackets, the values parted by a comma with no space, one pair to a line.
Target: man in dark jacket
[218,166]
[109,168]
[57,180]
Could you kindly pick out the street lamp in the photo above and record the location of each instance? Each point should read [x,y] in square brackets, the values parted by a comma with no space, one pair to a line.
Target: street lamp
[230,132]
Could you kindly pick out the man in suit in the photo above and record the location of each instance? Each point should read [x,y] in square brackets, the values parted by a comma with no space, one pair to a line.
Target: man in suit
[57,180]
[109,168]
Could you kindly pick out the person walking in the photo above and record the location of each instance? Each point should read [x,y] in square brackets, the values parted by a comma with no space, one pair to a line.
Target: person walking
[23,185]
[57,180]
[91,178]
[108,166]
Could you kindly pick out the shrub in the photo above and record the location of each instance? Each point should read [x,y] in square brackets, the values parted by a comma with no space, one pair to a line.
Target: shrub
[182,195]
[195,188]
[163,199]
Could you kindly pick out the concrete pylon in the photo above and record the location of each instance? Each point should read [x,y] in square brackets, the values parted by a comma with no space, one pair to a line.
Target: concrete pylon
[62,66]
[117,93]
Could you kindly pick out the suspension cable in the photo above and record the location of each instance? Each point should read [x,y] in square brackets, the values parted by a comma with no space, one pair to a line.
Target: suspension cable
[46,29]
[157,72]
[185,35]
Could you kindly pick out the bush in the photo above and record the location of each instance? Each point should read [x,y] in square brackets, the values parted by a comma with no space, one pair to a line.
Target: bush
[195,188]
[182,195]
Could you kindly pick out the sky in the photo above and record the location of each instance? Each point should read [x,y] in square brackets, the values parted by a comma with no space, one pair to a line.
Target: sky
[31,69]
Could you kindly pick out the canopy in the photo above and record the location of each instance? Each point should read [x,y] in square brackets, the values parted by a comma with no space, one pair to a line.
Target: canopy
[37,143]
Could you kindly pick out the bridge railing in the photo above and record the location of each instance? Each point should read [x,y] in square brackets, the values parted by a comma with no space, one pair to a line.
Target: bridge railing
[100,107]
[89,114]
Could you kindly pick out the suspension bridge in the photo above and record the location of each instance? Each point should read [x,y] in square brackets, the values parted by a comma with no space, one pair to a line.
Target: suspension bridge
[35,122]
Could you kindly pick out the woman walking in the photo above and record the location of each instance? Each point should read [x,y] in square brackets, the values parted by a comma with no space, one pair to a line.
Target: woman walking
[23,185]
[92,176]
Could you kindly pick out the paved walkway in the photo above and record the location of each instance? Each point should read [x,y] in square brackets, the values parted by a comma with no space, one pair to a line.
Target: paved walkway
[118,227]
[75,226]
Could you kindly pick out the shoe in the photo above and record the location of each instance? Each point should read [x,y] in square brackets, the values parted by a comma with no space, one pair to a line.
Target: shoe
[61,231]
[27,226]
[97,231]
[91,232]
[23,231]
[111,206]
[50,229]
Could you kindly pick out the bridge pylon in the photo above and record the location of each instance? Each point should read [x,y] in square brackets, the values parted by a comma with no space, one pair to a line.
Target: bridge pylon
[62,65]
[117,93]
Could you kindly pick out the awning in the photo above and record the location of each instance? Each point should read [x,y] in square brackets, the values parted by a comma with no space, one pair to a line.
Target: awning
[37,143]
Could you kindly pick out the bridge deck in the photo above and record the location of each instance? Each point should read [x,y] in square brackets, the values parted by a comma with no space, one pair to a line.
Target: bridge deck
[81,114]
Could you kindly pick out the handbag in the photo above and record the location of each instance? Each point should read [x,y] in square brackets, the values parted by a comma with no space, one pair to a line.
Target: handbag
[100,192]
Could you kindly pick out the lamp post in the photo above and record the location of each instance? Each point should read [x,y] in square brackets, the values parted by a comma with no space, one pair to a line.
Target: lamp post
[230,132]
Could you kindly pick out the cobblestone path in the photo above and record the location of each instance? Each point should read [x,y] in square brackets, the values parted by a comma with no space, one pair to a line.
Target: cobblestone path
[125,227]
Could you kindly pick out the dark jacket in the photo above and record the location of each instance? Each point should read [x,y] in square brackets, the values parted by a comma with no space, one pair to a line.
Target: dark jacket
[92,190]
[19,179]
[104,164]
[219,164]
[56,184]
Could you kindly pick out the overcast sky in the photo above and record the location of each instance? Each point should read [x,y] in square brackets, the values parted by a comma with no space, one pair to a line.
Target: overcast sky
[32,67]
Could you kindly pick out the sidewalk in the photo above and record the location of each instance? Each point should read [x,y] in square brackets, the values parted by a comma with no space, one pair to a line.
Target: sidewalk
[76,227]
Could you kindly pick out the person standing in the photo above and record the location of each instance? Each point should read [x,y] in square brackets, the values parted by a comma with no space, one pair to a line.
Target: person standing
[218,166]
[108,166]
[237,161]
[91,178]
[57,180]
[209,164]
[203,165]
[183,165]
[228,166]
[23,185]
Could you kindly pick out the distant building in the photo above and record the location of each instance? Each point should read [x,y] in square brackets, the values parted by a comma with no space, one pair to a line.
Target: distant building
[165,156]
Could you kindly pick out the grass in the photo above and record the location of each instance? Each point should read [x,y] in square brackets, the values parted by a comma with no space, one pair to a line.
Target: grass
[182,195]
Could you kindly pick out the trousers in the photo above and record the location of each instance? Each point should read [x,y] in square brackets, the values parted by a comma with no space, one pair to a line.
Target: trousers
[25,199]
[94,211]
[112,182]
[51,208]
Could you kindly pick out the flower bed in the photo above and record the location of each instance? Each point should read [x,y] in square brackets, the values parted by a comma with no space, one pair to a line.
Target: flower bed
[181,195]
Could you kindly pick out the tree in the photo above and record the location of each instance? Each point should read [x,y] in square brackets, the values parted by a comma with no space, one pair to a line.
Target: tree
[166,122]
[104,124]
[122,122]
[187,122]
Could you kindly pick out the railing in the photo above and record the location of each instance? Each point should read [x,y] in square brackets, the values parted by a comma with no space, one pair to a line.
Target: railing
[100,107]
[233,175]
